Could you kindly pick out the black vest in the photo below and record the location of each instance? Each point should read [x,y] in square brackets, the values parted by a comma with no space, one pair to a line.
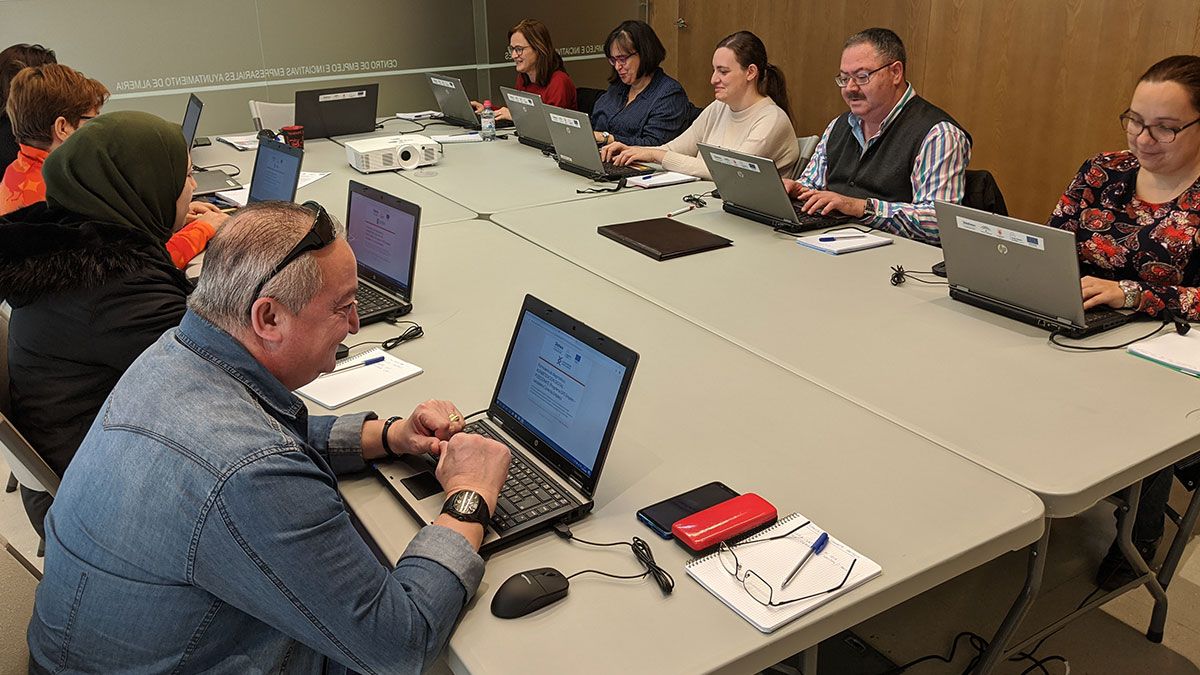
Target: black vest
[884,172]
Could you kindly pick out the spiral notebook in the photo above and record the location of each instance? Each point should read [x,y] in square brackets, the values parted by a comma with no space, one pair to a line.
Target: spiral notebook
[773,561]
[334,390]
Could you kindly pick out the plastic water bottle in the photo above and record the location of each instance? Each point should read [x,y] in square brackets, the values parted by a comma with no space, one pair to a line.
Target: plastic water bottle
[487,122]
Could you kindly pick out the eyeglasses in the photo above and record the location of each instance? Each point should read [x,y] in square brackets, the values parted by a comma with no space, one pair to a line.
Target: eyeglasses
[860,78]
[1134,126]
[621,60]
[514,51]
[319,236]
[755,585]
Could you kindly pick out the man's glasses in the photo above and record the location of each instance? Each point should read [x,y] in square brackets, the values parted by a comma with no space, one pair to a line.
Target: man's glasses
[514,51]
[615,61]
[1134,126]
[861,78]
[319,236]
[755,585]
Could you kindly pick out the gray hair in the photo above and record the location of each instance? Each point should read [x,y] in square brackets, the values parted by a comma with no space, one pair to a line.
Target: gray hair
[887,43]
[244,252]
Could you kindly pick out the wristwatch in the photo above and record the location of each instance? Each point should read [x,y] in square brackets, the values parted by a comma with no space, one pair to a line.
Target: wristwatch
[868,210]
[1133,293]
[468,506]
[607,137]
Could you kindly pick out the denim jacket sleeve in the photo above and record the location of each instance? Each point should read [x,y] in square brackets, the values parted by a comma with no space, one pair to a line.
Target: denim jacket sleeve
[276,542]
[339,440]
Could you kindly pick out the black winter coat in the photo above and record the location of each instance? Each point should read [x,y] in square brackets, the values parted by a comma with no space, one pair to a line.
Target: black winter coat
[87,298]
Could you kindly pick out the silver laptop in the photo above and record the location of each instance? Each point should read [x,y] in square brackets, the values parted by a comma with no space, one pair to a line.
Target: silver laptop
[208,181]
[1021,270]
[453,102]
[556,405]
[382,231]
[527,115]
[750,187]
[575,145]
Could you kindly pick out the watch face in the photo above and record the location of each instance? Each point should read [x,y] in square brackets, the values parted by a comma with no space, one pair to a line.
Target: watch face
[466,502]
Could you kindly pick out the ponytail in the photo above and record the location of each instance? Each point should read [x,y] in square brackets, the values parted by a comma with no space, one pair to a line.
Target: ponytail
[771,82]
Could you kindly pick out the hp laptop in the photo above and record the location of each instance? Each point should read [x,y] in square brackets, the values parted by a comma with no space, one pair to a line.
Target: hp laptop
[1021,270]
[454,104]
[382,232]
[750,187]
[276,175]
[338,111]
[575,145]
[526,111]
[556,406]
[207,181]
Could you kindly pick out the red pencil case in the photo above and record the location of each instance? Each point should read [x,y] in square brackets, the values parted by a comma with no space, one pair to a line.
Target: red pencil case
[728,519]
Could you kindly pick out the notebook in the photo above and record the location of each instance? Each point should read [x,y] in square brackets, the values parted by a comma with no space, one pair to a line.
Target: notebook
[334,390]
[838,242]
[773,561]
[207,181]
[337,112]
[1175,351]
[575,146]
[556,405]
[663,238]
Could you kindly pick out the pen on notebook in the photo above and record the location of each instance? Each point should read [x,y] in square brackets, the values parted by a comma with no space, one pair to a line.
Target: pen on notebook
[817,547]
[368,362]
[679,211]
[840,237]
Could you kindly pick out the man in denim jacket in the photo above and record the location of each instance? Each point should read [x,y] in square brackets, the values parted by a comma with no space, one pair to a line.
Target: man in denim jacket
[199,528]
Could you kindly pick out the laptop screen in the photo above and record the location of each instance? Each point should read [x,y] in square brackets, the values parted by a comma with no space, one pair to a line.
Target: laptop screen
[382,237]
[191,119]
[276,172]
[562,390]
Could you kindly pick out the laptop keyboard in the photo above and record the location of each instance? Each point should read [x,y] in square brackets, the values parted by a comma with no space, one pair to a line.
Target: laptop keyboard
[526,494]
[371,300]
[613,171]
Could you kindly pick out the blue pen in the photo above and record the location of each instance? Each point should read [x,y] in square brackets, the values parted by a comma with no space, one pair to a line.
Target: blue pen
[817,547]
[368,362]
[844,236]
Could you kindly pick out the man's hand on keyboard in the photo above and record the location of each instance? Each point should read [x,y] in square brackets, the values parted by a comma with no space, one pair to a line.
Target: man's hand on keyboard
[472,462]
[425,430]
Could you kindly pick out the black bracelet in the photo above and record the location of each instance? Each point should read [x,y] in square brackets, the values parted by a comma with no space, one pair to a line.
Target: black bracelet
[386,425]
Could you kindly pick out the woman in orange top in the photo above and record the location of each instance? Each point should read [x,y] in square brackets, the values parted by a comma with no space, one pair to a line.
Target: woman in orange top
[46,104]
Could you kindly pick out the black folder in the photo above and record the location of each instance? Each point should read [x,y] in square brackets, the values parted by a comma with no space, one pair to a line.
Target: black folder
[663,238]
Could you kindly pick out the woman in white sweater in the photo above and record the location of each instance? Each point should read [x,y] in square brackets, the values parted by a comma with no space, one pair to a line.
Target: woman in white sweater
[750,115]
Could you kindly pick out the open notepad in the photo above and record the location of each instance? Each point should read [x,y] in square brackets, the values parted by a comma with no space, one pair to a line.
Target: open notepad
[1179,352]
[334,390]
[837,242]
[773,561]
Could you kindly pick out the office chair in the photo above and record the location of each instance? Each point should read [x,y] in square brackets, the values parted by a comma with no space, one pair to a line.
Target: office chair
[585,98]
[11,486]
[983,192]
[807,146]
[273,116]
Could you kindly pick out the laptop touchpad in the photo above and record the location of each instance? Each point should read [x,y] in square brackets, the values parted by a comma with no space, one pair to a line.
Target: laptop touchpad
[422,485]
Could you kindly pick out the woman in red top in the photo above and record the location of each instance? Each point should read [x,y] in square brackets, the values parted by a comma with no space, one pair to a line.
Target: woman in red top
[540,69]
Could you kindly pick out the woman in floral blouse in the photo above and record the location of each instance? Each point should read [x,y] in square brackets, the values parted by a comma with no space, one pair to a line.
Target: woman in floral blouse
[1136,218]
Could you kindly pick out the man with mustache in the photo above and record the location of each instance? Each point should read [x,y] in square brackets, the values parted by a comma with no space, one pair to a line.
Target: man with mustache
[886,160]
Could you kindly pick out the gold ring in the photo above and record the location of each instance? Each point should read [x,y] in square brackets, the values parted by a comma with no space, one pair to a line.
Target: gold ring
[454,417]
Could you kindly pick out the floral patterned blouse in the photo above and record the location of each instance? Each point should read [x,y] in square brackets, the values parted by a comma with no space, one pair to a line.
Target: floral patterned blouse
[1123,237]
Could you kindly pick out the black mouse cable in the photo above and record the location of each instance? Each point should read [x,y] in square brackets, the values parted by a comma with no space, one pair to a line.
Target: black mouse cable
[640,549]
[900,275]
[413,332]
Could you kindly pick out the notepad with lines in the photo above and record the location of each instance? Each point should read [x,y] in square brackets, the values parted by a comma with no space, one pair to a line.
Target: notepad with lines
[773,561]
[334,390]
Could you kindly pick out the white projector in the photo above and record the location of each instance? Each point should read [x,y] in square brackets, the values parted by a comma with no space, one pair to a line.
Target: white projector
[389,153]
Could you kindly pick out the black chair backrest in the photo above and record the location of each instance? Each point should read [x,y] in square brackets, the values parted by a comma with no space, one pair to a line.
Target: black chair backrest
[4,400]
[983,193]
[585,98]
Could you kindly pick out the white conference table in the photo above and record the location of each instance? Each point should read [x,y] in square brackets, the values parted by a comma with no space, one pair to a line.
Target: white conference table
[501,175]
[700,409]
[1071,427]
[323,154]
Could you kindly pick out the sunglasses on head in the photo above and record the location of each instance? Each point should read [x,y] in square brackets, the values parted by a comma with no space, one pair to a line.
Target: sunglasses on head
[320,235]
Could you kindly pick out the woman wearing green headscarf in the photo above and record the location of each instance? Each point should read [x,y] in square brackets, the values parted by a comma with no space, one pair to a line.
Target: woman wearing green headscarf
[89,278]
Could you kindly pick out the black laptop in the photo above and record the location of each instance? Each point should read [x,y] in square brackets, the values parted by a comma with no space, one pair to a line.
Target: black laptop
[339,111]
[208,181]
[382,231]
[556,406]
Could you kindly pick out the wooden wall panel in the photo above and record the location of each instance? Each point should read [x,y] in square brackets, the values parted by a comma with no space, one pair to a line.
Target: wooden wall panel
[1038,83]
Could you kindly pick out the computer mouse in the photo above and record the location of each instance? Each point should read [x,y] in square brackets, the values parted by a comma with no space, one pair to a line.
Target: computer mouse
[528,592]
